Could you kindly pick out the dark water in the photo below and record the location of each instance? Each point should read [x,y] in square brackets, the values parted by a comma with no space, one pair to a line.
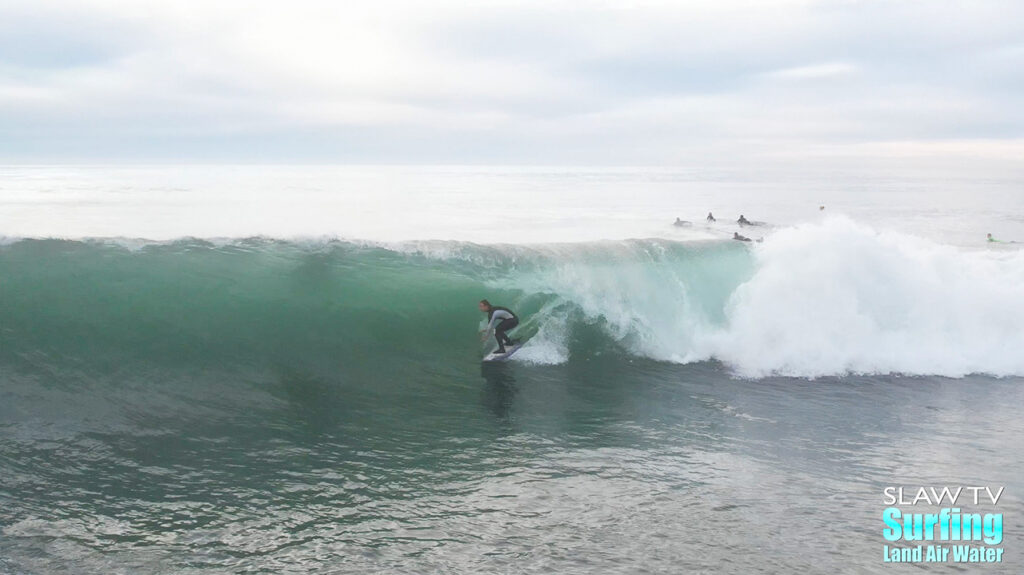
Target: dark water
[192,409]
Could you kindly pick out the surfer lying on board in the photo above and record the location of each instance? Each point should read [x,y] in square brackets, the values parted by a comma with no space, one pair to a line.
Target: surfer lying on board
[501,320]
[992,240]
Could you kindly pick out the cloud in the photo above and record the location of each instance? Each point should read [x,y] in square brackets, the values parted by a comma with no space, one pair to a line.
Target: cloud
[814,71]
[506,82]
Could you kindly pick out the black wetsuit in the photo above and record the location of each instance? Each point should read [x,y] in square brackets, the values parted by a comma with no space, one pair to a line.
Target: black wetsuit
[506,322]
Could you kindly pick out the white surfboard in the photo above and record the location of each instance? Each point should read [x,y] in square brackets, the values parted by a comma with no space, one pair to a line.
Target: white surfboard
[503,356]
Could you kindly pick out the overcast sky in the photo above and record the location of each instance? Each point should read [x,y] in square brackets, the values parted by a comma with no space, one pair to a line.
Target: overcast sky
[570,82]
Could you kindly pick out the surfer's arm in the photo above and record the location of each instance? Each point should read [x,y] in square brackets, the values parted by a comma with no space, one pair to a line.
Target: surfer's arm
[497,317]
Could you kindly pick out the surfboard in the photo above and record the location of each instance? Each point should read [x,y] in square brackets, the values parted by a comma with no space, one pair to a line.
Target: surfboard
[503,356]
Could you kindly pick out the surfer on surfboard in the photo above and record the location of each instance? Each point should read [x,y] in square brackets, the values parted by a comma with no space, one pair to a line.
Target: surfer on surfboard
[501,320]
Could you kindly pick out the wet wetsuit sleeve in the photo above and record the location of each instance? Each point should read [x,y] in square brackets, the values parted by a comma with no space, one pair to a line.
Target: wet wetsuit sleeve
[497,316]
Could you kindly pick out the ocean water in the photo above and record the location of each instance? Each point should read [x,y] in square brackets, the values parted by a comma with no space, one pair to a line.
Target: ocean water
[236,369]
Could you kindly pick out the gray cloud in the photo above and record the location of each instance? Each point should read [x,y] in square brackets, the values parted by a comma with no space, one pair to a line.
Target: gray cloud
[560,82]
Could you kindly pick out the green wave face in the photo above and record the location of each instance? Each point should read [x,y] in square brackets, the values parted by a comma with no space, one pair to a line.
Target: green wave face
[810,301]
[70,308]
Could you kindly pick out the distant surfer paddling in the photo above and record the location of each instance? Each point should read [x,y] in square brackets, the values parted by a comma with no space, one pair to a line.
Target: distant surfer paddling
[992,240]
[501,320]
[743,221]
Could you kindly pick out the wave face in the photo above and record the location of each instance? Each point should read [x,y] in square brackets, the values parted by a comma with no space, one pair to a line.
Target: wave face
[825,299]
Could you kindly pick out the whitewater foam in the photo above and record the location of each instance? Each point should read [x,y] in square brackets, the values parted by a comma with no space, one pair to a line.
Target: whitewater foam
[838,297]
[550,344]
[830,298]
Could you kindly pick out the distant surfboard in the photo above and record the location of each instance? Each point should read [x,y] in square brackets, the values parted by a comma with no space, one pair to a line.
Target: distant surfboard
[503,356]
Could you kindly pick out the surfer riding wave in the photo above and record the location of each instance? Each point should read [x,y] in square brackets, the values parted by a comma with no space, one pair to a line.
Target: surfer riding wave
[501,320]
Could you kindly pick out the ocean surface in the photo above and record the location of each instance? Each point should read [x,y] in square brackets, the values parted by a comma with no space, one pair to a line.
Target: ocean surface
[243,369]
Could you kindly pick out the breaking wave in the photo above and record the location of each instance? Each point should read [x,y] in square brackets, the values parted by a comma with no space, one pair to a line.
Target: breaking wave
[823,299]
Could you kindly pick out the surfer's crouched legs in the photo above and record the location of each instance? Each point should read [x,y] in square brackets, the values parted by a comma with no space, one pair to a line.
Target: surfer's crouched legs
[503,326]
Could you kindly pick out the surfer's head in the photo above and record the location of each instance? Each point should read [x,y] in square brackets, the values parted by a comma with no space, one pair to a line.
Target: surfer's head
[484,305]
